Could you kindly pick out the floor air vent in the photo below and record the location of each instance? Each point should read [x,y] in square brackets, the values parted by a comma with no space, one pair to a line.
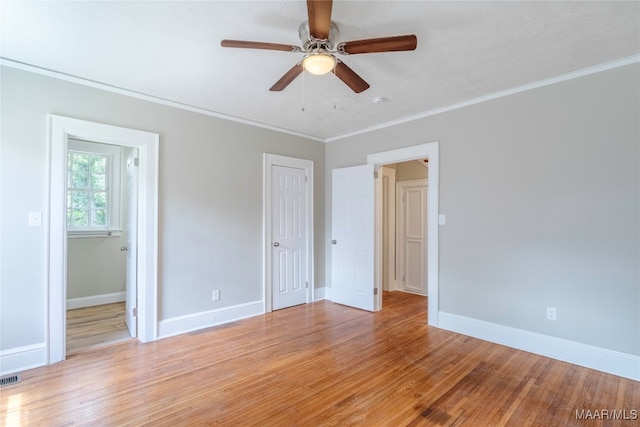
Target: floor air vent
[9,379]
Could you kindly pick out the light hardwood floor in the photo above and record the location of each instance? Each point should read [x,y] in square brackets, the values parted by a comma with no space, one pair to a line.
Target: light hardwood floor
[315,365]
[96,326]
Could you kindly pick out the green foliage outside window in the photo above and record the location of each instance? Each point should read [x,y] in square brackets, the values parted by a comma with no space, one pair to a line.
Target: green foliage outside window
[87,195]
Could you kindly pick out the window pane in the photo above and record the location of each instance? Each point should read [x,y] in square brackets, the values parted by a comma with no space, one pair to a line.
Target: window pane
[80,199]
[80,218]
[69,211]
[100,200]
[79,180]
[99,217]
[98,164]
[80,162]
[98,182]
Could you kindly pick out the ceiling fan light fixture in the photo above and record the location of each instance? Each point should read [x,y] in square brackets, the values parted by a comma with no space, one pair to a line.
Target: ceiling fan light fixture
[319,63]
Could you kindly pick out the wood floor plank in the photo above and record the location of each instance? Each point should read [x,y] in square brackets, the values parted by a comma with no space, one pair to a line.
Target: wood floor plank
[318,364]
[96,326]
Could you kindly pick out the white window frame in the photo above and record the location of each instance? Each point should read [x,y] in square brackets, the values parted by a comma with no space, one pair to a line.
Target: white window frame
[114,172]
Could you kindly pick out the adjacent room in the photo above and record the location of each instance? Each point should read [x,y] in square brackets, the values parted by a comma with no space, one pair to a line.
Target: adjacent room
[320,213]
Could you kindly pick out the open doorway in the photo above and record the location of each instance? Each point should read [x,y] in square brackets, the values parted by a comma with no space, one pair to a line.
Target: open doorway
[101,228]
[61,131]
[429,152]
[404,233]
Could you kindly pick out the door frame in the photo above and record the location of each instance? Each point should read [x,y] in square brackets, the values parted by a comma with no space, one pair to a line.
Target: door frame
[131,217]
[60,130]
[429,151]
[270,160]
[390,208]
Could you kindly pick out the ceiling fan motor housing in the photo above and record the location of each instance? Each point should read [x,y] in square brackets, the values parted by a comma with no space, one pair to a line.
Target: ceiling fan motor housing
[310,43]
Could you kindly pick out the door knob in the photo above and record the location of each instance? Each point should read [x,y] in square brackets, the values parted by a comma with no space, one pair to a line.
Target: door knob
[124,248]
[276,244]
[334,242]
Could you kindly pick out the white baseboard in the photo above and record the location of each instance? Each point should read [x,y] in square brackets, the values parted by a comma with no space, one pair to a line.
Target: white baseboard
[22,358]
[206,319]
[601,359]
[96,300]
[319,294]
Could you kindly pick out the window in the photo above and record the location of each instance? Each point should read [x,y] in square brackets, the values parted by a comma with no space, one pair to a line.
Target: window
[93,189]
[88,190]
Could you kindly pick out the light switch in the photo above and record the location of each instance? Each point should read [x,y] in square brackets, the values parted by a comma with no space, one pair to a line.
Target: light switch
[35,219]
[441,220]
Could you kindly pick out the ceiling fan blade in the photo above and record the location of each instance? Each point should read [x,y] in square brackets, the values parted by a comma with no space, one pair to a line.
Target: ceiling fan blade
[259,45]
[319,12]
[288,77]
[382,44]
[350,78]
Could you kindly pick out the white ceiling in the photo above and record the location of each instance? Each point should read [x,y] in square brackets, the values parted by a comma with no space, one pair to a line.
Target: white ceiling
[171,50]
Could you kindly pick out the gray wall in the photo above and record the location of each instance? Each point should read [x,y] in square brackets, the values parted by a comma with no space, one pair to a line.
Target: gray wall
[210,201]
[541,191]
[95,266]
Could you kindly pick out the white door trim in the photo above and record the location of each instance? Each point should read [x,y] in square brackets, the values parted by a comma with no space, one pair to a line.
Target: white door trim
[60,130]
[131,283]
[390,209]
[429,151]
[268,161]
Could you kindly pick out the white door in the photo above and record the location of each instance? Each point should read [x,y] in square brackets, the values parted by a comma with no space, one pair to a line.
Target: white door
[289,235]
[413,235]
[352,245]
[132,242]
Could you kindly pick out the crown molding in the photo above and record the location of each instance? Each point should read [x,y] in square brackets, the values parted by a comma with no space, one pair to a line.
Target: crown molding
[495,95]
[139,95]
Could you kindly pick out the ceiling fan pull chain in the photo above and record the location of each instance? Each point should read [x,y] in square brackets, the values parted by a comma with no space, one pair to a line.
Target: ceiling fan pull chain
[335,88]
[302,109]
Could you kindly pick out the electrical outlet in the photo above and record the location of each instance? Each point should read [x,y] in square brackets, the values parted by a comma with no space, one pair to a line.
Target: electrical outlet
[216,295]
[551,313]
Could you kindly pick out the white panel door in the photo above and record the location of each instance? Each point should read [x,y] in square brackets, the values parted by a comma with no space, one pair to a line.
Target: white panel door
[289,235]
[352,249]
[413,236]
[132,243]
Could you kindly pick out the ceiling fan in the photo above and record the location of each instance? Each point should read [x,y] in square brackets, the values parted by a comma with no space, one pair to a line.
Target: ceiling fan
[318,36]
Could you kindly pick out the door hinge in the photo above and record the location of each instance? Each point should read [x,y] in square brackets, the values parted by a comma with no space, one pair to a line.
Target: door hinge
[403,278]
[375,174]
[375,291]
[307,283]
[305,178]
[136,162]
[134,312]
